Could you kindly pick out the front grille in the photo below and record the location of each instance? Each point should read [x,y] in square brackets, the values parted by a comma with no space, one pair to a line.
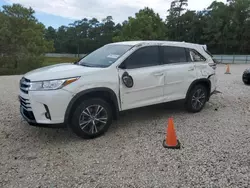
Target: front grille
[29,114]
[24,85]
[25,103]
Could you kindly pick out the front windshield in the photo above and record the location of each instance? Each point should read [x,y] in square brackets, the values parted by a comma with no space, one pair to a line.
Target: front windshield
[104,56]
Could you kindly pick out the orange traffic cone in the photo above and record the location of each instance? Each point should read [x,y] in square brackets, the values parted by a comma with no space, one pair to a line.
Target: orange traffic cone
[171,140]
[228,70]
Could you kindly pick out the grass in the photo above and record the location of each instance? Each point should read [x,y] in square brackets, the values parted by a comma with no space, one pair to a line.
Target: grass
[47,61]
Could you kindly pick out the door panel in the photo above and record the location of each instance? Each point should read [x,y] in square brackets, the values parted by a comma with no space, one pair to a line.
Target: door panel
[147,88]
[179,72]
[201,64]
[178,78]
[143,66]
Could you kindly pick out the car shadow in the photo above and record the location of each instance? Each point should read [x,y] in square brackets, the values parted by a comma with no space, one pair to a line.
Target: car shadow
[148,113]
[60,135]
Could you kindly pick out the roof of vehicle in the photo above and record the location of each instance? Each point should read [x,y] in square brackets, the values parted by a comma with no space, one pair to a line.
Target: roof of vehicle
[171,43]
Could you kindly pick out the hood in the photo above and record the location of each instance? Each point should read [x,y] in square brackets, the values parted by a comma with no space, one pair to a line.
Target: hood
[63,70]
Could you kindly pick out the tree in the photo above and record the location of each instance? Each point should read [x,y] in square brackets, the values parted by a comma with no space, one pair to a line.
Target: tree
[173,19]
[177,7]
[50,34]
[22,38]
[224,27]
[240,24]
[217,29]
[191,26]
[147,25]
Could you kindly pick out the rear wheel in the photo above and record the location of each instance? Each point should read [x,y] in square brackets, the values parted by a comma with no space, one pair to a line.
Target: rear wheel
[91,118]
[197,98]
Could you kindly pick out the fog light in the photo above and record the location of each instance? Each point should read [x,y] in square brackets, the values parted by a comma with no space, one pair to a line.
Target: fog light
[47,114]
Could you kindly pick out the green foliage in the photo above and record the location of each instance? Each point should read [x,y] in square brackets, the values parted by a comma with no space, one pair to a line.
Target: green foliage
[224,27]
[54,60]
[46,62]
[175,20]
[83,36]
[147,25]
[22,43]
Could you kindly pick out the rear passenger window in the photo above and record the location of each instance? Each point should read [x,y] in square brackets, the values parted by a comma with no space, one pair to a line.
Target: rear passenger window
[196,56]
[174,54]
[143,57]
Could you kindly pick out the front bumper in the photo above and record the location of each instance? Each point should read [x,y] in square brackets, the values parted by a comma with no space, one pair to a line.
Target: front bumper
[213,81]
[45,108]
[27,116]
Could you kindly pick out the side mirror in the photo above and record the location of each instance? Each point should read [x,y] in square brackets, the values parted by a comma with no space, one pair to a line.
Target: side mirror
[127,80]
[123,65]
[75,62]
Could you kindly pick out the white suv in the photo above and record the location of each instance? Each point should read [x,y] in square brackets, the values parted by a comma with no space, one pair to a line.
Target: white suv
[89,94]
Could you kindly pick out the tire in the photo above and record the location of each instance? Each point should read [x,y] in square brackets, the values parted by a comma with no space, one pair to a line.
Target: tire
[84,114]
[246,81]
[199,92]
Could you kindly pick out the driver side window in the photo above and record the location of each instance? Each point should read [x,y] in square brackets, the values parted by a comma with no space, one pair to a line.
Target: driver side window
[143,57]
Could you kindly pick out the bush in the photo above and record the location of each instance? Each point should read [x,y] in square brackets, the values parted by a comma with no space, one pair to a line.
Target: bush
[22,43]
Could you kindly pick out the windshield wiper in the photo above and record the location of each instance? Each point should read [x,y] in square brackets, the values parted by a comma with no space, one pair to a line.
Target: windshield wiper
[85,64]
[89,65]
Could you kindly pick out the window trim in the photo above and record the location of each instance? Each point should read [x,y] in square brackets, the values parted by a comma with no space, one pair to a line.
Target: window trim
[159,56]
[163,57]
[191,49]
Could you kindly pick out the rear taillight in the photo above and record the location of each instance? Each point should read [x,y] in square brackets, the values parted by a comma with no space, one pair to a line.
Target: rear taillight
[213,65]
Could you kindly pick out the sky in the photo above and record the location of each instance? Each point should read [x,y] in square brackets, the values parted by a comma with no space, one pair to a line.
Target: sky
[62,12]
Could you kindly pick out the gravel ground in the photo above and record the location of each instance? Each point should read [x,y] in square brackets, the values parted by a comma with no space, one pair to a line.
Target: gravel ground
[215,145]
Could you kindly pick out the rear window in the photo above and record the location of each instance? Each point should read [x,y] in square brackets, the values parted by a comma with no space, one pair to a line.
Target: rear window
[207,52]
[196,56]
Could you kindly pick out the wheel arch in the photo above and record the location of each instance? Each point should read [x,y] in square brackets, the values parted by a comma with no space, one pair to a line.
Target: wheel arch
[203,81]
[101,92]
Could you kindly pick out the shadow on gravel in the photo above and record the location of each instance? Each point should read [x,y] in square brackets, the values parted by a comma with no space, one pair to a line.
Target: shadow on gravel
[153,112]
[64,135]
[52,135]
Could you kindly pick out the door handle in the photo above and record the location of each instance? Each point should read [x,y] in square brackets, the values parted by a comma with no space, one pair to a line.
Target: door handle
[159,74]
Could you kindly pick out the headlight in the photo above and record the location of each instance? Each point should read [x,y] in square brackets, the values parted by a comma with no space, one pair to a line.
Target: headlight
[51,84]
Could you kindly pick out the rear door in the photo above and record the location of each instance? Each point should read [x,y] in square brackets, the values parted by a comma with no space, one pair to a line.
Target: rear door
[179,72]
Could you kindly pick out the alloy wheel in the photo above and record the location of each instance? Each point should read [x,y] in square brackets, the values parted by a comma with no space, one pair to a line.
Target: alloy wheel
[93,119]
[198,99]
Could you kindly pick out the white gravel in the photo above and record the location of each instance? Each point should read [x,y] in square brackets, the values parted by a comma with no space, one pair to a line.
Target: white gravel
[215,145]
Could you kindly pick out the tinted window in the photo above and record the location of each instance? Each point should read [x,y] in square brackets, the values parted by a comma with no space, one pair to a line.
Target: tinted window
[143,57]
[174,54]
[196,56]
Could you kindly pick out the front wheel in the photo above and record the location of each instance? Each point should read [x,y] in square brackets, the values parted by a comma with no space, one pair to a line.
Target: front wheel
[91,118]
[197,98]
